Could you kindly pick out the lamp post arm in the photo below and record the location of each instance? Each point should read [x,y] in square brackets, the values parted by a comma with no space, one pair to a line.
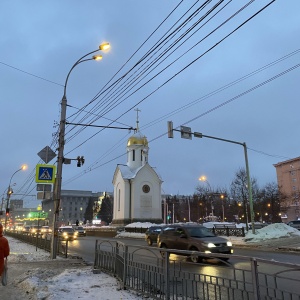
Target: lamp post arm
[12,178]
[80,60]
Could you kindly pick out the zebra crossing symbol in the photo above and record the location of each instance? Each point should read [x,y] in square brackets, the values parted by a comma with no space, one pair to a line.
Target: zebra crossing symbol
[45,173]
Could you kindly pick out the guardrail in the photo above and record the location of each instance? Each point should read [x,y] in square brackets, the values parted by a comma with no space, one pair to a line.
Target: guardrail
[41,241]
[142,270]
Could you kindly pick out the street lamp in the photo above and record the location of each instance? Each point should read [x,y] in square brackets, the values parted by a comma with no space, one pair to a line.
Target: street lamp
[61,143]
[9,192]
[203,178]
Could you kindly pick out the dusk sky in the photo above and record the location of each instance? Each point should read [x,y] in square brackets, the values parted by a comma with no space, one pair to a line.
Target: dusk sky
[227,69]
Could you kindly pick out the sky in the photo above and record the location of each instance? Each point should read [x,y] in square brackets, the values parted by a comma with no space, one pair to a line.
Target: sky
[233,80]
[74,283]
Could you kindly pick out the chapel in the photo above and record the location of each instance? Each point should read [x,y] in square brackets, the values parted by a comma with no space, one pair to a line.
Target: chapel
[137,186]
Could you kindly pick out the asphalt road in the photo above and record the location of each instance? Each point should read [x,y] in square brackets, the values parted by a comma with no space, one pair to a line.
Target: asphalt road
[85,247]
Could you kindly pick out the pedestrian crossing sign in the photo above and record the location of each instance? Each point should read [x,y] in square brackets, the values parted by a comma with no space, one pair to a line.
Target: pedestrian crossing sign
[45,173]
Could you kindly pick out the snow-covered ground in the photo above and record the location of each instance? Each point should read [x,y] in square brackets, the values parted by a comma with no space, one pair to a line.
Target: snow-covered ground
[81,283]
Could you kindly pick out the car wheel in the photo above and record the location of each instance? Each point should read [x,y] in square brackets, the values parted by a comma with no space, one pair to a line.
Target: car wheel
[163,253]
[149,242]
[195,258]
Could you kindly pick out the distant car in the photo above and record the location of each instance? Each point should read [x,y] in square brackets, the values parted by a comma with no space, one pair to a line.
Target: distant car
[193,238]
[67,233]
[46,229]
[295,224]
[80,230]
[26,229]
[35,229]
[151,234]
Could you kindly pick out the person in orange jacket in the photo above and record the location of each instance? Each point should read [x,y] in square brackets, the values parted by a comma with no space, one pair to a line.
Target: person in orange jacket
[4,249]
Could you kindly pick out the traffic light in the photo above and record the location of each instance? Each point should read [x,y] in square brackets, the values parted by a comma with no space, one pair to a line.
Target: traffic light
[170,129]
[7,211]
[80,161]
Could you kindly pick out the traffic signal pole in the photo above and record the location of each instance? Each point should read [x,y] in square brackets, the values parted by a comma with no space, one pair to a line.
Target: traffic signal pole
[186,133]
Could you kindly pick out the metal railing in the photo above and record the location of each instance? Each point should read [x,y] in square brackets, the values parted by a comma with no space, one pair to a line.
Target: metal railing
[41,241]
[142,269]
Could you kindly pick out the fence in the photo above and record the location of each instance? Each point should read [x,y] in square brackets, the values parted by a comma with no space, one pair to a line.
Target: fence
[41,241]
[143,270]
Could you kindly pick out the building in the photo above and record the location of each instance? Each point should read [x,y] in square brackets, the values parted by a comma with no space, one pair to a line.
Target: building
[288,178]
[76,205]
[137,187]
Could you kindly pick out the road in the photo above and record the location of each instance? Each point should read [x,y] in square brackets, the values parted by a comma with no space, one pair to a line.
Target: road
[238,269]
[85,248]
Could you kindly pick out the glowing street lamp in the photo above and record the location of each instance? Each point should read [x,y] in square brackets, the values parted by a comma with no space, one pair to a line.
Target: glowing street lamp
[61,143]
[10,191]
[204,178]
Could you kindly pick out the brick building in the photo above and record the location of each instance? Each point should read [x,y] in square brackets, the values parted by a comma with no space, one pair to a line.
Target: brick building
[288,179]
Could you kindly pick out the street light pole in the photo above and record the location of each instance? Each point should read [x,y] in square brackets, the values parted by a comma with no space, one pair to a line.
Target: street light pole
[9,192]
[203,178]
[61,144]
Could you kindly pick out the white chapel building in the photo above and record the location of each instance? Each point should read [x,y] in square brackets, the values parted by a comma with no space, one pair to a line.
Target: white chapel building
[137,187]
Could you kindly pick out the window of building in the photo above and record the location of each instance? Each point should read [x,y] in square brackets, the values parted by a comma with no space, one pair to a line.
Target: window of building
[119,199]
[294,188]
[146,188]
[294,179]
[133,155]
[292,173]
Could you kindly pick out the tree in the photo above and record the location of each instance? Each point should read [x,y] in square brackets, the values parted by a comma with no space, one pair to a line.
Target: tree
[240,195]
[268,206]
[106,210]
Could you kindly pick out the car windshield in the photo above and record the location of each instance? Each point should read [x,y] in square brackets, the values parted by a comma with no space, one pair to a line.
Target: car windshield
[79,228]
[199,232]
[67,229]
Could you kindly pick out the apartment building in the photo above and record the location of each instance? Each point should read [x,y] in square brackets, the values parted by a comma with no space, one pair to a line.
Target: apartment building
[288,179]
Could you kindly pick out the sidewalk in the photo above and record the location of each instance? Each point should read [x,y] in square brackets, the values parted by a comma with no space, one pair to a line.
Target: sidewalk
[32,275]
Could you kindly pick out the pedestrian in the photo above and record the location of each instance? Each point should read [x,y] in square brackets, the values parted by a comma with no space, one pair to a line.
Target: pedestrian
[4,249]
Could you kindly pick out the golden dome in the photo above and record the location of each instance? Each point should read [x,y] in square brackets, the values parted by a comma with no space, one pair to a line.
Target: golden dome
[137,139]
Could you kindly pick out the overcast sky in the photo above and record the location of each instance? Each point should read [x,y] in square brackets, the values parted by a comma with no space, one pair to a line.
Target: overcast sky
[234,82]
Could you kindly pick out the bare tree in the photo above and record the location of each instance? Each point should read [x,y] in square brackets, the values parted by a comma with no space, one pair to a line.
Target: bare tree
[239,192]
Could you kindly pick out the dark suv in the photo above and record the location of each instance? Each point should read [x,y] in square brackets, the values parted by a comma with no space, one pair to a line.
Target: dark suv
[193,237]
[152,233]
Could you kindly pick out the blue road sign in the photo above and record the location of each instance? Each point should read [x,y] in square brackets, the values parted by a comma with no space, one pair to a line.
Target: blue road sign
[45,173]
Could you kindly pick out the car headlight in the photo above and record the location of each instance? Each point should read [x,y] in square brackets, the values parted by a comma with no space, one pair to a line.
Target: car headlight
[211,245]
[229,244]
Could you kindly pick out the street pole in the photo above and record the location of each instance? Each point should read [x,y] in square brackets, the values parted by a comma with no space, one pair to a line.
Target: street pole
[60,156]
[186,133]
[9,192]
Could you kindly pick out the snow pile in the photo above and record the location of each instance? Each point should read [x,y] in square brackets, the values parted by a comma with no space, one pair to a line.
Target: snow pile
[73,284]
[272,231]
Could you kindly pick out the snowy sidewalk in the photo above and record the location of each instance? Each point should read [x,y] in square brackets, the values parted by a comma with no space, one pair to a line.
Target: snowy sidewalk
[32,275]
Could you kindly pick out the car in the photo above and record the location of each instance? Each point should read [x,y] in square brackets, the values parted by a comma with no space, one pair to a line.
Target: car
[80,230]
[67,233]
[46,229]
[193,237]
[35,229]
[26,229]
[151,234]
[295,224]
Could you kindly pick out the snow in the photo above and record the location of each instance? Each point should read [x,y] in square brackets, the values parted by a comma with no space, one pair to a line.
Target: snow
[82,283]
